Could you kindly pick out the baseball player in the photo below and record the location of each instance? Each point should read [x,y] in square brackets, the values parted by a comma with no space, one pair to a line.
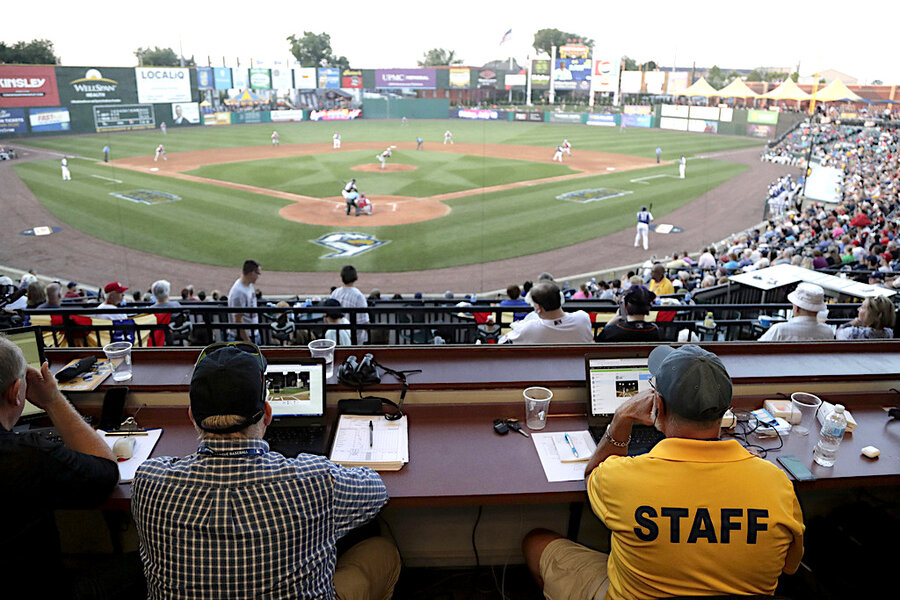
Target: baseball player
[160,151]
[384,156]
[448,137]
[64,163]
[275,141]
[682,165]
[643,226]
[420,144]
[348,191]
[658,154]
[162,127]
[567,147]
[403,122]
[558,154]
[363,205]
[336,141]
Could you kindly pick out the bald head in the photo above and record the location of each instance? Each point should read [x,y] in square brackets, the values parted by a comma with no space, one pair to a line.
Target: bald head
[546,295]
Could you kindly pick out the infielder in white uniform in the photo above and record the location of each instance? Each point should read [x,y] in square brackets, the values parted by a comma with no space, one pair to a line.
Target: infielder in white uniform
[160,151]
[275,141]
[336,141]
[558,154]
[567,147]
[682,165]
[448,137]
[643,226]
[65,169]
[162,127]
[383,156]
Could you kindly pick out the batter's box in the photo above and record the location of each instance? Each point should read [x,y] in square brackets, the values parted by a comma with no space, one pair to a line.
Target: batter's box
[596,195]
[149,197]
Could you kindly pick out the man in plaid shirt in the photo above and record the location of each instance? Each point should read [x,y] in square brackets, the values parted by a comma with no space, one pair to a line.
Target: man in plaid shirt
[234,520]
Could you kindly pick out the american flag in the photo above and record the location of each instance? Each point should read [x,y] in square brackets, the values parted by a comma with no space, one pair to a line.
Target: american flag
[506,36]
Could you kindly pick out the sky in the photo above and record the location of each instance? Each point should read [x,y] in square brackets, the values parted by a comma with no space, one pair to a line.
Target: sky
[395,34]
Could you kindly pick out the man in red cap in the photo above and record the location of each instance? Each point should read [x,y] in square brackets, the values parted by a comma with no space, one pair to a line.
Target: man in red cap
[115,292]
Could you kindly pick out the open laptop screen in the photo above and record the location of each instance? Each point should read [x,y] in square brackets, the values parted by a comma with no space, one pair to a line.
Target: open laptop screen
[29,341]
[611,381]
[296,390]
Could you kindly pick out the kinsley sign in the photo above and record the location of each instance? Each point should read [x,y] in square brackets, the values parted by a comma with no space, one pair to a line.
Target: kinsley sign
[28,86]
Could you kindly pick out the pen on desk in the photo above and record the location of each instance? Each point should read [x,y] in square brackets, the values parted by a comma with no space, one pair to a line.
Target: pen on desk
[371,433]
[571,445]
[125,433]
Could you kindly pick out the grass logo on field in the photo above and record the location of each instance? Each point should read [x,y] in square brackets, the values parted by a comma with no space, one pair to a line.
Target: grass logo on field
[585,196]
[149,197]
[347,244]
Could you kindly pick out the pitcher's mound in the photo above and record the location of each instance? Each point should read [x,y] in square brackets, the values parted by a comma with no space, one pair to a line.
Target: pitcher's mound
[388,168]
[389,210]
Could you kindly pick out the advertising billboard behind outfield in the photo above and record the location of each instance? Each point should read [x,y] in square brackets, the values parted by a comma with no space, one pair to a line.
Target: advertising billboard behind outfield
[678,81]
[283,116]
[654,80]
[240,79]
[637,120]
[460,78]
[467,113]
[204,78]
[222,77]
[766,117]
[49,119]
[707,113]
[673,123]
[540,74]
[762,131]
[405,78]
[351,78]
[109,85]
[12,120]
[631,82]
[336,114]
[674,110]
[260,79]
[281,76]
[606,75]
[572,74]
[157,85]
[185,113]
[305,78]
[27,86]
[329,78]
[636,109]
[602,119]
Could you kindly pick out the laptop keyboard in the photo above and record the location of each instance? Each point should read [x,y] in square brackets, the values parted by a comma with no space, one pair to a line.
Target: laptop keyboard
[291,441]
[642,438]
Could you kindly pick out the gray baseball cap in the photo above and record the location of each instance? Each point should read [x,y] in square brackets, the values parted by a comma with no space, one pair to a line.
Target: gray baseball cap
[693,382]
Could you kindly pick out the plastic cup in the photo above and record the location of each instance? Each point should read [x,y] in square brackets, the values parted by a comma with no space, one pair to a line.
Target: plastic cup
[537,405]
[807,405]
[119,355]
[324,349]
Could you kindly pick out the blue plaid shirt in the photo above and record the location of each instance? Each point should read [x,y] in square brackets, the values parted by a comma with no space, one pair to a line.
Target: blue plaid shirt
[237,521]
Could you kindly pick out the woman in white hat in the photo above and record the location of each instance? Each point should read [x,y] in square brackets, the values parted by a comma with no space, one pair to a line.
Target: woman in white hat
[808,300]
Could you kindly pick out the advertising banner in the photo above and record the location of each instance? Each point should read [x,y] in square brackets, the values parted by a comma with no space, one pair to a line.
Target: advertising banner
[405,78]
[281,76]
[49,119]
[219,118]
[708,113]
[514,79]
[351,78]
[767,117]
[678,81]
[28,86]
[261,116]
[185,113]
[655,81]
[336,114]
[260,79]
[573,51]
[540,74]
[305,78]
[565,117]
[487,78]
[124,117]
[282,116]
[761,131]
[460,78]
[602,120]
[534,115]
[95,86]
[222,77]
[673,123]
[701,126]
[572,74]
[483,114]
[240,79]
[674,110]
[329,78]
[726,114]
[157,85]
[637,120]
[631,82]
[637,109]
[205,78]
[606,75]
[12,120]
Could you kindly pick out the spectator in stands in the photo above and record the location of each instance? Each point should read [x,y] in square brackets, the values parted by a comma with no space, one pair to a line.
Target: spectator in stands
[659,283]
[609,291]
[375,295]
[38,476]
[707,261]
[808,300]
[350,297]
[514,298]
[334,316]
[243,295]
[629,324]
[583,292]
[669,537]
[549,324]
[280,517]
[115,293]
[36,295]
[160,291]
[72,291]
[874,321]
[53,299]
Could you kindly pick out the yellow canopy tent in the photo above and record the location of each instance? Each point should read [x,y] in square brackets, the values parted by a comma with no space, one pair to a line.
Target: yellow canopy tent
[737,89]
[836,90]
[245,98]
[787,91]
[699,88]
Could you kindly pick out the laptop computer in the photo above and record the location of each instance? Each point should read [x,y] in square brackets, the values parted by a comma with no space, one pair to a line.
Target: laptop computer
[611,381]
[297,395]
[30,341]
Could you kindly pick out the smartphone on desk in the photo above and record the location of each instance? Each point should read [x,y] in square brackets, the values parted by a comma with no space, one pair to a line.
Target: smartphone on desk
[796,468]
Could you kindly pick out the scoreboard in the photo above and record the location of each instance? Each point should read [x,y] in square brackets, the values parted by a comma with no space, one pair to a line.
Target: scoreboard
[123,117]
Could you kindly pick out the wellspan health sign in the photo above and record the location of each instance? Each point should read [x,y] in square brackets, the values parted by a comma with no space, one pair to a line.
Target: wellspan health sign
[28,86]
[157,85]
[78,85]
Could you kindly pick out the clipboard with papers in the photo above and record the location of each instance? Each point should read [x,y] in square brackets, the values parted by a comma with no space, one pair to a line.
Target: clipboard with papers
[371,441]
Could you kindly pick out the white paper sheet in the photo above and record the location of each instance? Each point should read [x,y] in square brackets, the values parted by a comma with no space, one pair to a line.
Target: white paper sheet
[143,446]
[554,467]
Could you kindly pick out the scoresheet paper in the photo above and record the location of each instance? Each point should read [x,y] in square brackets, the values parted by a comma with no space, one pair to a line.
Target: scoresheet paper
[557,467]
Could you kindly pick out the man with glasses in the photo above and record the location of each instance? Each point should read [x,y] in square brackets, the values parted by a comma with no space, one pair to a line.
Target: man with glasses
[243,295]
[234,520]
[696,516]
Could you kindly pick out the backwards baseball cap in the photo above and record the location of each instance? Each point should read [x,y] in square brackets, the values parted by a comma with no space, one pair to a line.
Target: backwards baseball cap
[693,382]
[229,379]
[114,286]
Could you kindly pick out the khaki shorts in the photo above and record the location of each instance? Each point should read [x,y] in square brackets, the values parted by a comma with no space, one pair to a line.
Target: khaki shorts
[570,570]
[368,570]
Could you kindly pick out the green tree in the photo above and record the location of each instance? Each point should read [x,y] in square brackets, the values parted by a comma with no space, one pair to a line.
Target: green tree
[35,52]
[650,65]
[544,39]
[795,76]
[754,75]
[160,57]
[714,77]
[314,50]
[630,64]
[438,57]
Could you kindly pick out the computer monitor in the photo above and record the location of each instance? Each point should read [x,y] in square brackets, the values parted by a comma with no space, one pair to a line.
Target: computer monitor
[29,340]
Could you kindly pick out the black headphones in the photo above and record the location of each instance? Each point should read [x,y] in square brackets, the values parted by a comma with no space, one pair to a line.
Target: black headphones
[362,373]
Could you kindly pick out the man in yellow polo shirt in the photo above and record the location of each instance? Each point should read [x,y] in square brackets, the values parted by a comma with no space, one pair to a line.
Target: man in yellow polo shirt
[659,283]
[695,516]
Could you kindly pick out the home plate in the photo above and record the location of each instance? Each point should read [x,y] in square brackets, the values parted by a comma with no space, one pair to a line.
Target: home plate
[154,168]
[666,228]
[610,168]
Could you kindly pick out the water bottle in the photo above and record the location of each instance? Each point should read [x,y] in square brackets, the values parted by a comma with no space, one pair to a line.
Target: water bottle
[709,322]
[831,435]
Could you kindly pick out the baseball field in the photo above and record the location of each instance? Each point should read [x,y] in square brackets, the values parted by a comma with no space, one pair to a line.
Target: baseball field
[224,194]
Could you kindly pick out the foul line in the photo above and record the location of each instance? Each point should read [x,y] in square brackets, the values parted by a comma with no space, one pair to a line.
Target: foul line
[107,178]
[641,179]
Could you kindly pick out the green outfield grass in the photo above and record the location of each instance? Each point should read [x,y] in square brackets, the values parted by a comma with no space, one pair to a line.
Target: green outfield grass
[324,175]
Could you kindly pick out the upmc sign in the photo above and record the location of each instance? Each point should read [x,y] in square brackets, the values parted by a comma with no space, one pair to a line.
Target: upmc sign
[405,78]
[28,86]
